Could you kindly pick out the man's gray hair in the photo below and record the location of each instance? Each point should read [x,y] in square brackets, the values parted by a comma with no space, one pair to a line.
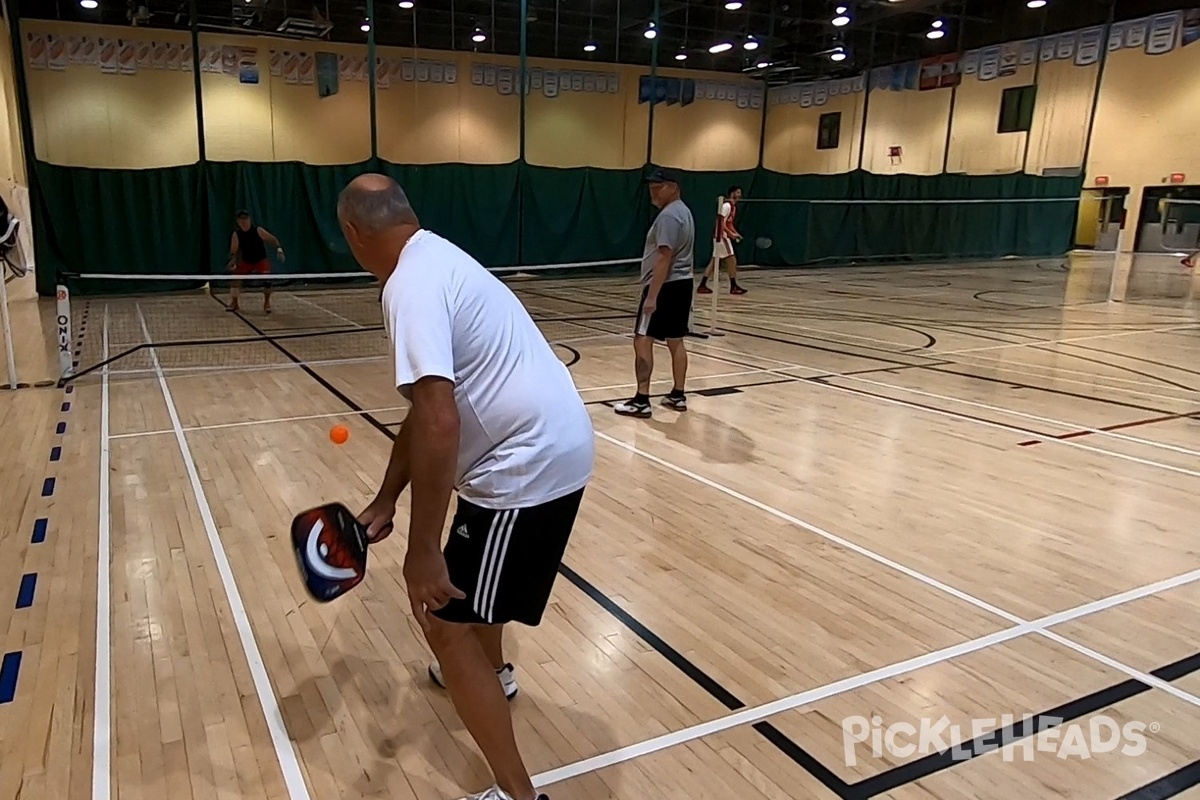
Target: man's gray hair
[375,202]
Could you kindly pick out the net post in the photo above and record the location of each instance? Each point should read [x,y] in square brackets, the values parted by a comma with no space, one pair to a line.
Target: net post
[63,318]
[9,358]
[716,278]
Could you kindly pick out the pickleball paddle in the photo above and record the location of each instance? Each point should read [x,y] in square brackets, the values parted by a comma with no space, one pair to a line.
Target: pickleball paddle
[331,550]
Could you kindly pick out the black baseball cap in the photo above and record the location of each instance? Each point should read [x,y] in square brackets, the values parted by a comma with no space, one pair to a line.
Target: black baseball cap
[661,175]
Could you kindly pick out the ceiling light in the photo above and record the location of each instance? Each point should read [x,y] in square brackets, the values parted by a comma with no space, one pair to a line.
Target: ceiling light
[733,5]
[406,4]
[1036,3]
[681,56]
[479,36]
[937,23]
[365,27]
[838,54]
[750,44]
[89,4]
[763,64]
[936,33]
[650,31]
[590,47]
[720,47]
[842,18]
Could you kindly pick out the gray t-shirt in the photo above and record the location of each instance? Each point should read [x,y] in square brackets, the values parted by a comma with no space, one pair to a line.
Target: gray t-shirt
[673,228]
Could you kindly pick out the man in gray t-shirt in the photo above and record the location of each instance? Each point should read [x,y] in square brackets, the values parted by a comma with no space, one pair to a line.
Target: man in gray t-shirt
[666,307]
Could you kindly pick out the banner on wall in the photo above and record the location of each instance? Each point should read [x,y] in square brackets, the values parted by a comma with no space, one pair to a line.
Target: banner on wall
[1116,36]
[1135,33]
[989,64]
[144,55]
[308,69]
[940,72]
[126,57]
[1029,53]
[160,55]
[56,52]
[1047,49]
[329,73]
[1090,43]
[35,46]
[1066,46]
[1191,27]
[247,65]
[1010,58]
[1164,33]
[970,63]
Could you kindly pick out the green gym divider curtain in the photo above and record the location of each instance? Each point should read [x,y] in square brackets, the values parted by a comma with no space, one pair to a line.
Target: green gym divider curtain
[179,220]
[116,221]
[572,215]
[825,234]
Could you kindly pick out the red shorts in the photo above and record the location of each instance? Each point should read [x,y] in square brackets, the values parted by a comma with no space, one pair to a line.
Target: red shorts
[261,268]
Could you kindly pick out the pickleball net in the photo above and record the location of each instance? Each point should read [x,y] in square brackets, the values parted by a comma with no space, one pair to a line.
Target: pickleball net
[316,319]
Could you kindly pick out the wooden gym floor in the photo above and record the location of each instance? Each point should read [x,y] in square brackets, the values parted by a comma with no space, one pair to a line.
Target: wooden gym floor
[902,493]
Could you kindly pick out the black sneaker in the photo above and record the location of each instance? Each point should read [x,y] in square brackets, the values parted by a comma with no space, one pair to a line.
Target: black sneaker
[675,402]
[634,407]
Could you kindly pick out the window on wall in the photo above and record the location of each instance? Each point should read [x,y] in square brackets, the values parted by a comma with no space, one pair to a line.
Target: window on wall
[1016,109]
[829,131]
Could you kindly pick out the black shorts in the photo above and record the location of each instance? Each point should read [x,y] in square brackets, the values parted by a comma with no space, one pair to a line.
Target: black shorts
[672,317]
[506,561]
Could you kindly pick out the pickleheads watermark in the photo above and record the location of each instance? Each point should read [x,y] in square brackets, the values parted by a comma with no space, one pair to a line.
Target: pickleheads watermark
[1021,737]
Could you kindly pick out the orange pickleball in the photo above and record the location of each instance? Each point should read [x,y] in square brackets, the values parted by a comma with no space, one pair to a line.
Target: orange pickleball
[339,434]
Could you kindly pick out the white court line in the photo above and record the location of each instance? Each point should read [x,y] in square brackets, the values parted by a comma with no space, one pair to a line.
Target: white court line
[1010,428]
[289,764]
[1168,329]
[694,377]
[1070,426]
[1108,381]
[135,434]
[1034,417]
[300,299]
[760,712]
[1048,373]
[102,719]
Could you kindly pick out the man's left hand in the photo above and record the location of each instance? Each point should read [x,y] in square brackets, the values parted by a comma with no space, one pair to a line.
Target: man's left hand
[429,586]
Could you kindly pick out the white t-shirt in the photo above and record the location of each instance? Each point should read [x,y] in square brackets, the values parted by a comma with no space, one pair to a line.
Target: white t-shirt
[525,437]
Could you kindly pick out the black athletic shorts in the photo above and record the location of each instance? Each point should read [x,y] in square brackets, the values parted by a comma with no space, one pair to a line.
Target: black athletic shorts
[506,561]
[672,317]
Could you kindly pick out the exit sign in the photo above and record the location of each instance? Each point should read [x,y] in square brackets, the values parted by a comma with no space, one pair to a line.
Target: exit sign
[1178,177]
[1102,180]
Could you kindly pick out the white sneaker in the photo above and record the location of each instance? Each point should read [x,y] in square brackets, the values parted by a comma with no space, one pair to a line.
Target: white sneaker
[496,793]
[506,674]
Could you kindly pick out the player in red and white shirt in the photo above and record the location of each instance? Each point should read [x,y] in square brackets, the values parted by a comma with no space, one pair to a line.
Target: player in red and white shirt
[723,238]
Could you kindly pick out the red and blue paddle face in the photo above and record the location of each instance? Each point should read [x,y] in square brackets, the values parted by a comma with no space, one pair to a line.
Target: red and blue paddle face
[331,550]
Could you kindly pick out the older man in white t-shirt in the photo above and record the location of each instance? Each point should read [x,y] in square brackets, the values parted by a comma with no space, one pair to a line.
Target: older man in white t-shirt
[496,417]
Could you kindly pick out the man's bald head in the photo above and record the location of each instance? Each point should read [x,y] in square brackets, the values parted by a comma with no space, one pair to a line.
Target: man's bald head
[373,203]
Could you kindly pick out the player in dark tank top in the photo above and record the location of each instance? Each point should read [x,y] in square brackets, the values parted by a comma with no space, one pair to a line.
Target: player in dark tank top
[248,256]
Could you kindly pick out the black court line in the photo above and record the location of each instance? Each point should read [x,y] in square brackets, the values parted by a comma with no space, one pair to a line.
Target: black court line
[1068,712]
[677,659]
[940,368]
[1167,786]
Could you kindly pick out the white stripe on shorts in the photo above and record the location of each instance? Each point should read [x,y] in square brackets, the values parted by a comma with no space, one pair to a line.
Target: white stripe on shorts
[643,319]
[488,549]
[493,564]
[491,604]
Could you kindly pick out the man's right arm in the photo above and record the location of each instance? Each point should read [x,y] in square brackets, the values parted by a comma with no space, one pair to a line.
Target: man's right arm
[233,250]
[398,474]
